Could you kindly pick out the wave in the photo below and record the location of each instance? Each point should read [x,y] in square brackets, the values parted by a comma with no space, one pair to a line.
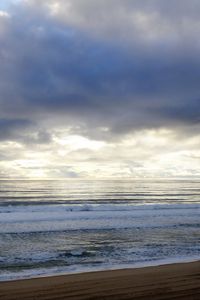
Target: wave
[77,269]
[78,217]
[94,207]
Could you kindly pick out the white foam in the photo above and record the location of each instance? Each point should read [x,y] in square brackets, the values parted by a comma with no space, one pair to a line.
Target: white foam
[62,217]
[94,207]
[78,269]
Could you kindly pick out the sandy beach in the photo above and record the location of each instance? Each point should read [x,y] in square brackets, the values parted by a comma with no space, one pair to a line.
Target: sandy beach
[175,281]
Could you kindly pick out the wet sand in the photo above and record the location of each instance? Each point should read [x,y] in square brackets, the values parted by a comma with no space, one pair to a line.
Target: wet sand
[175,281]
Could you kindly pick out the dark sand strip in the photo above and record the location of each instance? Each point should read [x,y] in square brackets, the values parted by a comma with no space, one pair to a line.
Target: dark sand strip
[176,281]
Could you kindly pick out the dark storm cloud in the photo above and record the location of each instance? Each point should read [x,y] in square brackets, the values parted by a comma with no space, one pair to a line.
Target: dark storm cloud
[52,70]
[11,127]
[23,131]
[188,112]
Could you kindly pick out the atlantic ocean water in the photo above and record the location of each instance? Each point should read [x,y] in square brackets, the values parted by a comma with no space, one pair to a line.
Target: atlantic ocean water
[67,226]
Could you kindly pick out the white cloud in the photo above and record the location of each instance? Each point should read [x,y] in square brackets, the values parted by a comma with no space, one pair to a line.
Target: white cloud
[76,142]
[146,153]
[4,14]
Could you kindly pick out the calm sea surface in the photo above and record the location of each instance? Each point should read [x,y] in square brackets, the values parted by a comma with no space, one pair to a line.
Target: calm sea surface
[68,226]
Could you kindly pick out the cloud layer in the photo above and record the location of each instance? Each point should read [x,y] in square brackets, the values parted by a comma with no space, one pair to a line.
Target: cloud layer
[107,71]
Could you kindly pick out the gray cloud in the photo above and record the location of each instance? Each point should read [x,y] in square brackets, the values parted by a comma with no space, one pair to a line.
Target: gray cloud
[12,127]
[126,18]
[123,65]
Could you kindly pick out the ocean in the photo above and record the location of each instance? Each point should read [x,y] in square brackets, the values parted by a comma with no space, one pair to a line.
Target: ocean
[68,226]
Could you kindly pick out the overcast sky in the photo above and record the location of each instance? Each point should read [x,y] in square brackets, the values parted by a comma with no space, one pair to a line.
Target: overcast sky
[99,89]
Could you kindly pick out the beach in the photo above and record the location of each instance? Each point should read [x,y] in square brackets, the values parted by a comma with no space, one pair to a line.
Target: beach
[174,281]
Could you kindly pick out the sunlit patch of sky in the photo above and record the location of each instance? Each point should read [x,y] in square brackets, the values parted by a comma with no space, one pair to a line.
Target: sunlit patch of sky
[4,4]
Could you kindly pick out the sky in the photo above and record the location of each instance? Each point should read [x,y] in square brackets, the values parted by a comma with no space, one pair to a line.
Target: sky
[99,89]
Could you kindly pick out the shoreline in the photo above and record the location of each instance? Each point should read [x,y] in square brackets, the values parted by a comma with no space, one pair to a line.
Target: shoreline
[170,281]
[157,263]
